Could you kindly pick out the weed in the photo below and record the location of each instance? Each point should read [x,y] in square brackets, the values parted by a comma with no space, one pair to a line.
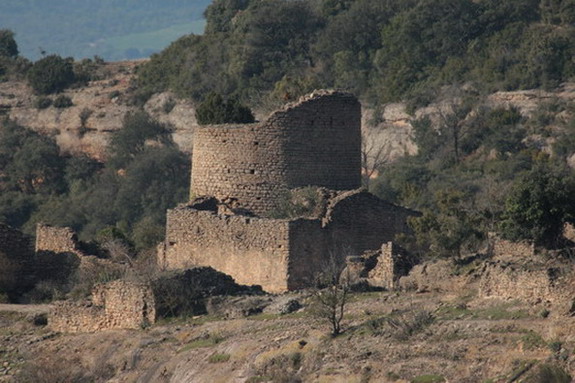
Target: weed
[555,346]
[532,341]
[208,341]
[408,324]
[544,313]
[62,101]
[428,379]
[219,358]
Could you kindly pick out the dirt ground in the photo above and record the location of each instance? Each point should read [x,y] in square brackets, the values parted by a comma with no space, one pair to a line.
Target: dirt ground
[388,337]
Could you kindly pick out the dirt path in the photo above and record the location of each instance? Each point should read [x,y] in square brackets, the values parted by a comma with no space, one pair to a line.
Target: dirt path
[25,309]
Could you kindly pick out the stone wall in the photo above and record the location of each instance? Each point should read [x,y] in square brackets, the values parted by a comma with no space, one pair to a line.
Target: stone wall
[501,248]
[279,254]
[316,141]
[359,221]
[56,239]
[117,304]
[528,282]
[382,268]
[252,250]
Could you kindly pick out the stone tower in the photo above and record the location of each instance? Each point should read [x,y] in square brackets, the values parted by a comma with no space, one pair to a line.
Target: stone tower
[316,141]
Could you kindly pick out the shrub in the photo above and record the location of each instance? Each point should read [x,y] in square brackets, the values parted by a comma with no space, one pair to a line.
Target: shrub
[411,323]
[43,102]
[51,74]
[8,46]
[215,110]
[219,358]
[428,379]
[63,101]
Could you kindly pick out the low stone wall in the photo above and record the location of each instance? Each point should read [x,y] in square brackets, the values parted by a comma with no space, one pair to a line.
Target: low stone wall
[382,268]
[73,317]
[531,283]
[115,305]
[56,239]
[433,276]
[501,248]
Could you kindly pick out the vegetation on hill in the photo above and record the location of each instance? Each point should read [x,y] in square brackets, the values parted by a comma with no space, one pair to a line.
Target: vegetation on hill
[484,169]
[146,175]
[381,50]
[479,168]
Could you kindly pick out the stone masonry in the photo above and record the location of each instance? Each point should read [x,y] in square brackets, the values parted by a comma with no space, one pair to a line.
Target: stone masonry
[117,304]
[56,239]
[279,254]
[382,268]
[316,141]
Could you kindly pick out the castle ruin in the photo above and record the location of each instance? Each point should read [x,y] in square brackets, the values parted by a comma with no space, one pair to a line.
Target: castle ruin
[251,169]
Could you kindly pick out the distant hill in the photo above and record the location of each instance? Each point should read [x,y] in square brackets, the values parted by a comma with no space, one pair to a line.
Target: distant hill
[112,29]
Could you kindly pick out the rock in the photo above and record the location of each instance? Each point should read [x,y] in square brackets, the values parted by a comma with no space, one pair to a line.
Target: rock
[236,307]
[283,305]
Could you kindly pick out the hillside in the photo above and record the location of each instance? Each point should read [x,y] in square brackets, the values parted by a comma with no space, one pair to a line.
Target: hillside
[451,335]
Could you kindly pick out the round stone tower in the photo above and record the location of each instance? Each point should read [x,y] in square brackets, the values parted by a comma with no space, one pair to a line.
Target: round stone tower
[314,142]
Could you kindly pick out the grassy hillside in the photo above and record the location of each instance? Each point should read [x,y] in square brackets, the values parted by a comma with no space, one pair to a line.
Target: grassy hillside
[114,30]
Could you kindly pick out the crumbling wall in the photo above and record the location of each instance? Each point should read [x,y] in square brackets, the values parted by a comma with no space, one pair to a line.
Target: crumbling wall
[279,254]
[501,248]
[56,239]
[126,304]
[309,253]
[532,283]
[117,304]
[383,272]
[382,268]
[359,221]
[251,250]
[316,141]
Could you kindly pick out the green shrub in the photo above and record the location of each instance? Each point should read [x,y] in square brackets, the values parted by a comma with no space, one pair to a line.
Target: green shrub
[62,102]
[215,110]
[51,74]
[428,379]
[547,373]
[8,46]
[219,358]
[43,102]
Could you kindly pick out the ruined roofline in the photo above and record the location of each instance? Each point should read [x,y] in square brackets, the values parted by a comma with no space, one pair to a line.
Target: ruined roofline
[347,194]
[188,206]
[302,101]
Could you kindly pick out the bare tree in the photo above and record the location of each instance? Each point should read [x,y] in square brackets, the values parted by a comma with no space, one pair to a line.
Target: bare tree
[331,294]
[373,157]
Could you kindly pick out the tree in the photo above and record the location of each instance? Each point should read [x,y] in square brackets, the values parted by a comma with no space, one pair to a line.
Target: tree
[332,293]
[449,230]
[216,110]
[138,130]
[373,156]
[8,46]
[51,74]
[539,205]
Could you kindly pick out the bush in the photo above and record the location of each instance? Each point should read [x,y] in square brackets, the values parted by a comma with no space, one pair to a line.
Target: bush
[219,358]
[43,102]
[63,101]
[216,110]
[8,46]
[52,74]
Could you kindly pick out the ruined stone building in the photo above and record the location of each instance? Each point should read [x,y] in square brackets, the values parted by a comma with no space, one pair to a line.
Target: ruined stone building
[251,169]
